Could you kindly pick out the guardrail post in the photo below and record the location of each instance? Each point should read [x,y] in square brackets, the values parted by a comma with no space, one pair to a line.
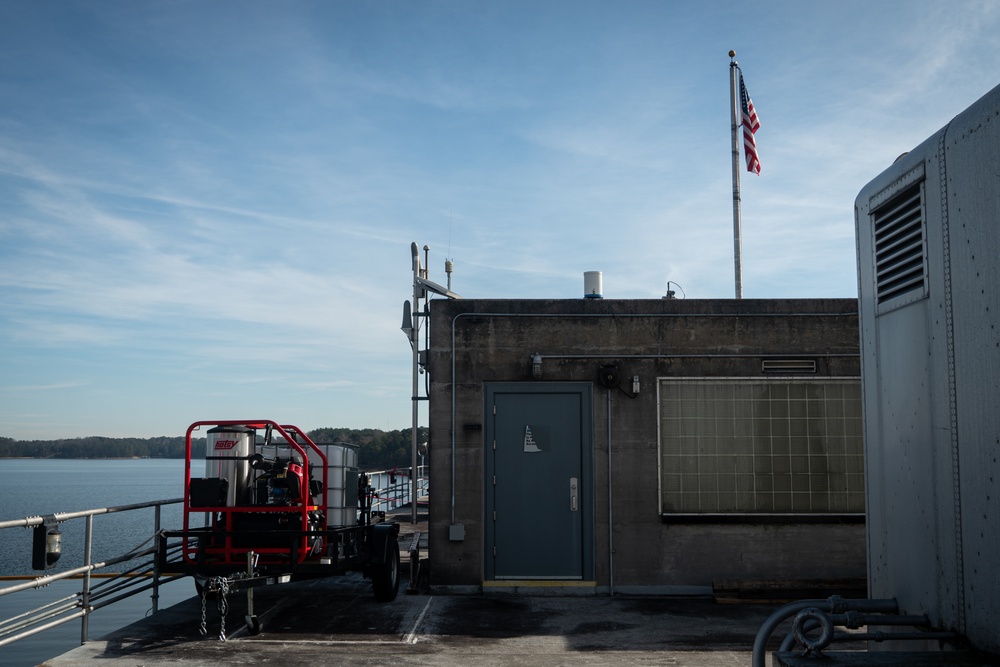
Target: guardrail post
[80,604]
[156,560]
[85,598]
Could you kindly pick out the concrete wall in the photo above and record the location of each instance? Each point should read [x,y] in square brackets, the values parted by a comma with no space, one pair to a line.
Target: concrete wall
[479,341]
[932,385]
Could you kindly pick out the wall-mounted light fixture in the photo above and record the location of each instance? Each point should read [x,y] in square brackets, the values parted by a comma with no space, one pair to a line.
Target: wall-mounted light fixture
[536,365]
[46,544]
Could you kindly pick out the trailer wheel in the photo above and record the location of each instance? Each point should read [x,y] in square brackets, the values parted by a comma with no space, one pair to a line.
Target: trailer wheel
[385,578]
[253,625]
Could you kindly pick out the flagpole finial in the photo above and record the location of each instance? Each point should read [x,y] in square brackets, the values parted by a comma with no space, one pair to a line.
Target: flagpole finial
[732,54]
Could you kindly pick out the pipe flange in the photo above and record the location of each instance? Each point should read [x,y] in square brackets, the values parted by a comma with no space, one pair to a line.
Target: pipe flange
[825,636]
[855,620]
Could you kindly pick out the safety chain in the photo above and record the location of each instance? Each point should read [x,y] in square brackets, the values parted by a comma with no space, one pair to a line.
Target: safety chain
[223,606]
[218,585]
[203,629]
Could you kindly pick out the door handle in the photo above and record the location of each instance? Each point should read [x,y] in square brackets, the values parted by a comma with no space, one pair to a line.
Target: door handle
[574,494]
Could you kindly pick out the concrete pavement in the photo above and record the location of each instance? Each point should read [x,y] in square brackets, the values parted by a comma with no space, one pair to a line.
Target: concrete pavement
[336,621]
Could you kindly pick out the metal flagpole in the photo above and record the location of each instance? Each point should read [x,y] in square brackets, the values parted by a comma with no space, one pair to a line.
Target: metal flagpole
[733,106]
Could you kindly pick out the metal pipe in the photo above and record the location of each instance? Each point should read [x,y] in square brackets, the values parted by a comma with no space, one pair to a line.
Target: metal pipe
[857,620]
[156,562]
[85,599]
[42,628]
[611,523]
[120,582]
[714,355]
[39,582]
[737,242]
[30,618]
[771,624]
[834,605]
[876,636]
[54,603]
[100,602]
[414,403]
[27,522]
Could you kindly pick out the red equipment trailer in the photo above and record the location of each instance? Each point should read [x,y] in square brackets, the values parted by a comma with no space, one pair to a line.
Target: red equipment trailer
[273,507]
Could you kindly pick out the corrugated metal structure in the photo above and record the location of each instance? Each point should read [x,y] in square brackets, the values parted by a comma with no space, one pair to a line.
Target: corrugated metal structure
[928,231]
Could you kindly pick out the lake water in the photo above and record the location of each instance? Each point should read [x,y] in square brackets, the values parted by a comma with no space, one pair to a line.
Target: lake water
[30,487]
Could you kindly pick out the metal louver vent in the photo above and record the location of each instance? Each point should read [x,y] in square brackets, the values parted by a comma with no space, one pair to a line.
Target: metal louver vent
[899,245]
[792,366]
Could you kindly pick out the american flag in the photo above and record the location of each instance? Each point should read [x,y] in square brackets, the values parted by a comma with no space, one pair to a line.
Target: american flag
[750,125]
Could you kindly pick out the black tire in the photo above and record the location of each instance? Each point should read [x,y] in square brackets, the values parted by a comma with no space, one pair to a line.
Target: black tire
[385,576]
[254,626]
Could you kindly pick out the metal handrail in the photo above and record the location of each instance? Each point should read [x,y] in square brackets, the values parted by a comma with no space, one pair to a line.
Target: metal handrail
[397,494]
[81,604]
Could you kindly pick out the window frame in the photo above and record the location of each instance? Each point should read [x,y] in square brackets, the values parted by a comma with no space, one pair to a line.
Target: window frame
[852,461]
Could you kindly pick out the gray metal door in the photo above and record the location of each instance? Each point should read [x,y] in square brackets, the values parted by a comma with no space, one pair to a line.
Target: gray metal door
[538,485]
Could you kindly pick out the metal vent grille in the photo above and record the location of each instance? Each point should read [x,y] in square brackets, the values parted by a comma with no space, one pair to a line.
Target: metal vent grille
[791,366]
[900,266]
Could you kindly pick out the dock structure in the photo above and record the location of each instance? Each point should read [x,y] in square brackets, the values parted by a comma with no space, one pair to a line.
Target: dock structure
[336,621]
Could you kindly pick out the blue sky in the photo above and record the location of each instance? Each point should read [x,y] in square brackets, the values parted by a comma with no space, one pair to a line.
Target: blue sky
[206,208]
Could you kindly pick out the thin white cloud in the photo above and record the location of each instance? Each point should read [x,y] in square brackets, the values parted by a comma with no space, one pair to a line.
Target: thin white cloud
[235,199]
[56,386]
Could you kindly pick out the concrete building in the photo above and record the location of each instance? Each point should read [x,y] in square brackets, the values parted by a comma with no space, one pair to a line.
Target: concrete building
[644,446]
[928,232]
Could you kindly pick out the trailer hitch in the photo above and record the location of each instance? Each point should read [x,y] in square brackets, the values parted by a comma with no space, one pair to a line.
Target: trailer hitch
[219,586]
[222,586]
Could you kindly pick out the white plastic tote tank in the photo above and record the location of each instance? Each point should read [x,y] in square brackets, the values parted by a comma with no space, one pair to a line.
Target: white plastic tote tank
[342,477]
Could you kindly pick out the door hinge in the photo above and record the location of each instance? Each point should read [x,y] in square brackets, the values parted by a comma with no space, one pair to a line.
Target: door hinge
[494,515]
[494,409]
[494,445]
[494,552]
[494,480]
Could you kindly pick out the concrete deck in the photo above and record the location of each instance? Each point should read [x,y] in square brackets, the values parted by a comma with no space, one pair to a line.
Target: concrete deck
[336,621]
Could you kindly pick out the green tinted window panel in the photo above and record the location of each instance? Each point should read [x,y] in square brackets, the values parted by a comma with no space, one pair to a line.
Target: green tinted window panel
[761,446]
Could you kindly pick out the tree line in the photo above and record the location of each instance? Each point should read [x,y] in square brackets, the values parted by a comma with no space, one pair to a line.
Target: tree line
[377,450]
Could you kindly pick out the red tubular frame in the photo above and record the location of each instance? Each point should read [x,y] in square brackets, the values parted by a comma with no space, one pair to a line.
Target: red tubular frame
[229,554]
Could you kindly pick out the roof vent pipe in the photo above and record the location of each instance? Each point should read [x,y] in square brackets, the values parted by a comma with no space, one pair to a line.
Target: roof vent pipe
[592,287]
